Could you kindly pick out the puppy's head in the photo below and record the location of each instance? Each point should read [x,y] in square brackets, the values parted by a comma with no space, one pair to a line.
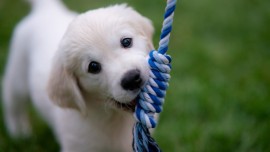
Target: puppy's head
[102,59]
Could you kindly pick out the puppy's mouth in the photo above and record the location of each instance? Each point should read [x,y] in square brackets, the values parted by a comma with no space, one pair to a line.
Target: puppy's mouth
[129,107]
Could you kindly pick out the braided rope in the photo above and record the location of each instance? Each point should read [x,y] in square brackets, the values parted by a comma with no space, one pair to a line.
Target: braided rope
[151,97]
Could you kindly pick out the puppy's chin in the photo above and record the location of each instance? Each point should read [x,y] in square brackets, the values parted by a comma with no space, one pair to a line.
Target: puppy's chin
[124,100]
[127,106]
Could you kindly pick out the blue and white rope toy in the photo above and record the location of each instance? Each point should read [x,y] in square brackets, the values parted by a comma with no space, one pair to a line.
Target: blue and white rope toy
[151,97]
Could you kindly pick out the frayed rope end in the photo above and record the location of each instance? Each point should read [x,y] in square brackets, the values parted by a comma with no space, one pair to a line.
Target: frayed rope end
[143,142]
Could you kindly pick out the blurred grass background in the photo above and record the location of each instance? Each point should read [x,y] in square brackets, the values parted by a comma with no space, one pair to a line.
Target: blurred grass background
[219,95]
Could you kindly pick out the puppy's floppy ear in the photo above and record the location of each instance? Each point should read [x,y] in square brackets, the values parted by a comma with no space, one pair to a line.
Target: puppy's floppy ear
[148,31]
[63,88]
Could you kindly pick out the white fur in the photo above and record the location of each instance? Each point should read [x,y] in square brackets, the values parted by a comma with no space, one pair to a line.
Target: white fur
[48,65]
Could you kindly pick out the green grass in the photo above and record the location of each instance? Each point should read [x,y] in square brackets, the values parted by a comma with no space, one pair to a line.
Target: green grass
[219,95]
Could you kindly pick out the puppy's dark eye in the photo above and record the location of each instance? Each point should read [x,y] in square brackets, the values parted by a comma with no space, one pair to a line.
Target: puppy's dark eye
[94,67]
[126,42]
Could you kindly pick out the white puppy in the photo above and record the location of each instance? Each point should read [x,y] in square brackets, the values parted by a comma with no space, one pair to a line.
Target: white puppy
[82,76]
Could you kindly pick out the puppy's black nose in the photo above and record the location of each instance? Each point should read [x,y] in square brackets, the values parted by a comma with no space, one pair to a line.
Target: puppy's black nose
[132,80]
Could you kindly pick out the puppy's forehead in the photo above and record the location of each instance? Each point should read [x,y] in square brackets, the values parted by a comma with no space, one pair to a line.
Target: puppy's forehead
[101,23]
[117,13]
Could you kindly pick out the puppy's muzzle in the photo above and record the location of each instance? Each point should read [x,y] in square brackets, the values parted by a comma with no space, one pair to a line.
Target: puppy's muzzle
[132,80]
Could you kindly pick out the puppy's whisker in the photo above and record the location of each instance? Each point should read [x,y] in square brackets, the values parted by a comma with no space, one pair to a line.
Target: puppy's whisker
[107,104]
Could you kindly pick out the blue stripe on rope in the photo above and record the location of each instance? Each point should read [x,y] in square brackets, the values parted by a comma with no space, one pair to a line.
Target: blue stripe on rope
[150,107]
[159,84]
[140,114]
[151,97]
[161,76]
[169,11]
[166,32]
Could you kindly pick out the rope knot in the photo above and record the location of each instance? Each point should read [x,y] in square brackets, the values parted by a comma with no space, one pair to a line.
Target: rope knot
[151,98]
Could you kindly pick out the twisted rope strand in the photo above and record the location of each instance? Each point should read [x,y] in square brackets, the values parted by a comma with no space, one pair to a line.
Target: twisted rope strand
[151,97]
[167,26]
